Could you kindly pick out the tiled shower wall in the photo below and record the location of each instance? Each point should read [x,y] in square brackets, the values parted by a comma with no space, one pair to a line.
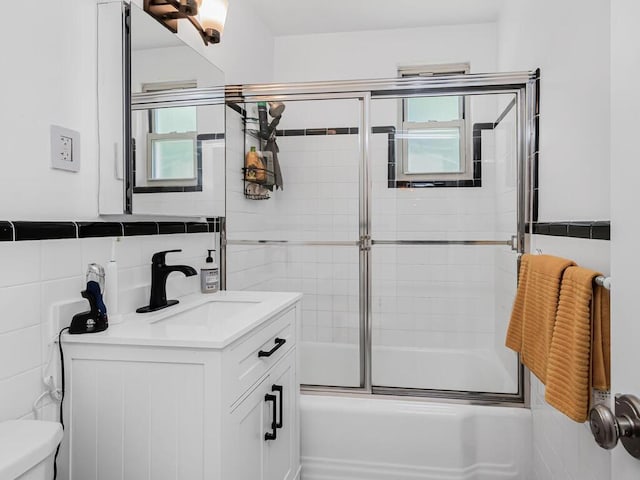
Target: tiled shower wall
[319,202]
[431,296]
[36,275]
[249,267]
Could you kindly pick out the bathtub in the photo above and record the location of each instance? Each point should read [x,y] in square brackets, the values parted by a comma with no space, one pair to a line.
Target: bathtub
[470,369]
[383,438]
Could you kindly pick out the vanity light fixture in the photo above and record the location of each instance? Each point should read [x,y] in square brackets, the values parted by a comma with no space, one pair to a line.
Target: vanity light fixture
[207,16]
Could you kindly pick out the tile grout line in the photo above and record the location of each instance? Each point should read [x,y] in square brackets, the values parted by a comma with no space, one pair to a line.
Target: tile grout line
[13,230]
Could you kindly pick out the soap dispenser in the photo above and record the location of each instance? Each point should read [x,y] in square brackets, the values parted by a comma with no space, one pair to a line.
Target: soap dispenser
[210,275]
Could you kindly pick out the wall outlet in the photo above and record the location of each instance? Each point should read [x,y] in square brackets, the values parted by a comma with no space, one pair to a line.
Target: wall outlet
[65,149]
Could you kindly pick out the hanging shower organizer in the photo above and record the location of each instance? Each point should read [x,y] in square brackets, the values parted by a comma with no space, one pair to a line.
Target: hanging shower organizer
[256,179]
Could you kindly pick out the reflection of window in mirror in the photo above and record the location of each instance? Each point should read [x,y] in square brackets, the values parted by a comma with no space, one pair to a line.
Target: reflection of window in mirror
[171,139]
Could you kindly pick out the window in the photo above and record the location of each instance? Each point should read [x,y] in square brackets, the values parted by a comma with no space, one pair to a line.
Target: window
[433,138]
[172,141]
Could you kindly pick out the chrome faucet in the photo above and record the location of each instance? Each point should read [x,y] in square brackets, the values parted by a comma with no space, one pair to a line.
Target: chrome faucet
[159,273]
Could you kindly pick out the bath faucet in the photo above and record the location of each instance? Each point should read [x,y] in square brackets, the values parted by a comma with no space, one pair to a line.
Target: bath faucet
[159,273]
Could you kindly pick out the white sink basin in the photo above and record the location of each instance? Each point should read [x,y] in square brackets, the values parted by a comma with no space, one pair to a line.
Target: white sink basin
[204,315]
[198,321]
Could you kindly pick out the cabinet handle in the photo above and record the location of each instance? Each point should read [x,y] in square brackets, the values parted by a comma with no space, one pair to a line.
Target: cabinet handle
[273,434]
[279,342]
[279,389]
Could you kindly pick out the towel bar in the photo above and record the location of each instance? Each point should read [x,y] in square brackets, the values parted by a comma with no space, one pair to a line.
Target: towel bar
[604,282]
[599,280]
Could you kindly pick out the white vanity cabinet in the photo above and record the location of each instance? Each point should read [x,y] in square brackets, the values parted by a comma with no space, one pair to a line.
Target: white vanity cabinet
[146,409]
[257,447]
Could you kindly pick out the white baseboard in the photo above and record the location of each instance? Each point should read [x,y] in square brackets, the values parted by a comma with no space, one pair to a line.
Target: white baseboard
[316,468]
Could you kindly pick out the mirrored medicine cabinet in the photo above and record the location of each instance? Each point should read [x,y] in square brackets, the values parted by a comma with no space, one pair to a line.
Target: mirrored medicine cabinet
[166,159]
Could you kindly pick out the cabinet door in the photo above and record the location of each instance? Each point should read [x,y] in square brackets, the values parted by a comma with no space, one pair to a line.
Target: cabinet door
[282,454]
[245,440]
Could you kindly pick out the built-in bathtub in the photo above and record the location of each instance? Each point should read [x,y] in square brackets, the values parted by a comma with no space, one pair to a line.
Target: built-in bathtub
[462,369]
[382,438]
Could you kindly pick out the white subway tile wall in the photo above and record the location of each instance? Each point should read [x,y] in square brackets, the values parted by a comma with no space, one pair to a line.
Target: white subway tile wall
[38,274]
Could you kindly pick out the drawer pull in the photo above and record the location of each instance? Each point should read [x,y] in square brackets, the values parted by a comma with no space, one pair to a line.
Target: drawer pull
[274,433]
[279,342]
[279,389]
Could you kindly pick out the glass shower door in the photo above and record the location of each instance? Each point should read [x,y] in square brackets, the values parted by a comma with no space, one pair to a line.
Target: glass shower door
[305,237]
[444,210]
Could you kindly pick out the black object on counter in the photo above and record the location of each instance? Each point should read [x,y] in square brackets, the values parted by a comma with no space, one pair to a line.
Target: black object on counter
[95,320]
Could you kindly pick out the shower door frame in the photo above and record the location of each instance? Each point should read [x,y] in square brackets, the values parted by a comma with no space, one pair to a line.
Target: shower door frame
[521,84]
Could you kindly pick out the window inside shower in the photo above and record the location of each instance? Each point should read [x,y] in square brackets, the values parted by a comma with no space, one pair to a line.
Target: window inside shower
[407,290]
[433,136]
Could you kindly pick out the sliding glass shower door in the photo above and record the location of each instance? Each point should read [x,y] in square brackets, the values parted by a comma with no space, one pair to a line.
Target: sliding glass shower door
[306,236]
[401,220]
[444,220]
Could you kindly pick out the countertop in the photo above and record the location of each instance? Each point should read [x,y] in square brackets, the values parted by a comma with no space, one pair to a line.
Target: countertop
[198,321]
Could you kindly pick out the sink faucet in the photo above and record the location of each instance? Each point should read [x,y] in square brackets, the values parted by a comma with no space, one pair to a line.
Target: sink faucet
[159,273]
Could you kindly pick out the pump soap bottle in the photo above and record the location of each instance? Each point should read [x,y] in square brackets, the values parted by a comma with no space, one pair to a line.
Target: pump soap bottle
[210,275]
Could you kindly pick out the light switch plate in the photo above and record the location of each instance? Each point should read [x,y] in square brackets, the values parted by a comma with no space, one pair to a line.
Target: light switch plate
[65,149]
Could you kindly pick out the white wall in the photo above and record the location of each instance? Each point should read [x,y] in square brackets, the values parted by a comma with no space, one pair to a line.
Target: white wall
[245,53]
[48,78]
[570,42]
[378,54]
[625,168]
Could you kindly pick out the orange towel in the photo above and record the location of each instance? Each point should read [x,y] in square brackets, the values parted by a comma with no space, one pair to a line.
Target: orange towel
[601,347]
[534,310]
[578,357]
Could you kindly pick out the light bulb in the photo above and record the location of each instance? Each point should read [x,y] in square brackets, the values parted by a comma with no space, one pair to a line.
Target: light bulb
[213,14]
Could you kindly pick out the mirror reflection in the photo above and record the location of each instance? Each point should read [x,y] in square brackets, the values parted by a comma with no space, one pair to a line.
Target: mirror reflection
[177,153]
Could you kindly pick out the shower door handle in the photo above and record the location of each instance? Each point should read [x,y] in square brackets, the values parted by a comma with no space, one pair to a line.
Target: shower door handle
[279,389]
[273,434]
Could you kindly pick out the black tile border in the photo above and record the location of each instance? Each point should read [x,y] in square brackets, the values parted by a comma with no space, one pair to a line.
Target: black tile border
[168,228]
[32,230]
[99,229]
[196,227]
[303,132]
[601,230]
[44,230]
[6,232]
[535,159]
[132,229]
[593,230]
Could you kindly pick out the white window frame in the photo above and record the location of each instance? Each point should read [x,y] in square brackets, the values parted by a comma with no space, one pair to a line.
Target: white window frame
[466,162]
[152,136]
[161,137]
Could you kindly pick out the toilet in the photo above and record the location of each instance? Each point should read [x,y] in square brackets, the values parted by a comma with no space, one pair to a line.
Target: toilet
[27,449]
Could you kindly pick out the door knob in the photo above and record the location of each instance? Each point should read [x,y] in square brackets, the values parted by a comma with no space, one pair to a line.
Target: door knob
[624,425]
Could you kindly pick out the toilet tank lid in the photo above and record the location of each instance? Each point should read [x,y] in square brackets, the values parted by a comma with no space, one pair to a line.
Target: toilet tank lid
[25,443]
